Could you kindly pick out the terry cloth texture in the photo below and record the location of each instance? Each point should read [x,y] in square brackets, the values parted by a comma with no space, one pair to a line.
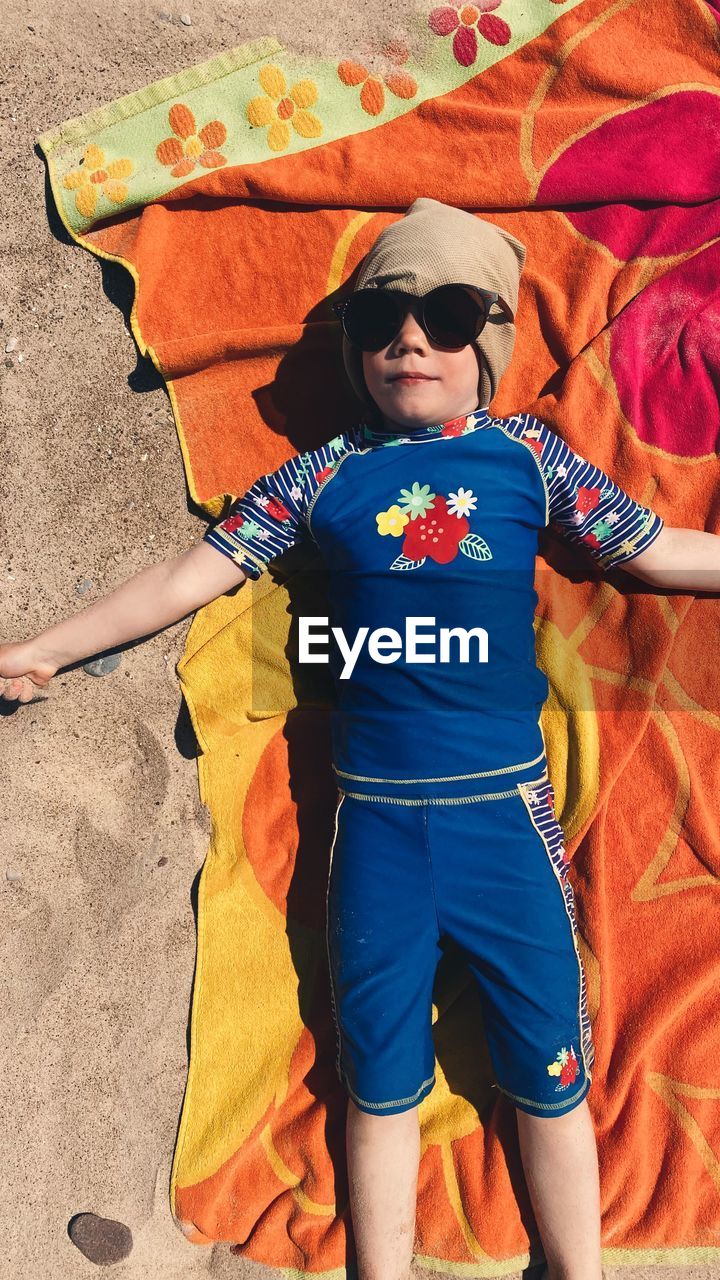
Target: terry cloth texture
[244,195]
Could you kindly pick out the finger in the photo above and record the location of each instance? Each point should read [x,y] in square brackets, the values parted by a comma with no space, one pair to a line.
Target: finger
[29,690]
[9,690]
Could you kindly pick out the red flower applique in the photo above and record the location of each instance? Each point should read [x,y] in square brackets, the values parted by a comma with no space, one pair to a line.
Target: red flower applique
[587,499]
[566,1066]
[436,534]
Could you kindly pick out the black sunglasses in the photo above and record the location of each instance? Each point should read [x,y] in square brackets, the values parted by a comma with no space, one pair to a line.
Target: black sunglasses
[452,315]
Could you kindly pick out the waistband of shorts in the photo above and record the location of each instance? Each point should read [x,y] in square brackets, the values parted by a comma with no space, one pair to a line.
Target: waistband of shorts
[478,784]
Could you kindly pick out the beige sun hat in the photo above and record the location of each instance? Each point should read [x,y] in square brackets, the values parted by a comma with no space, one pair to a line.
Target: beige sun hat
[436,244]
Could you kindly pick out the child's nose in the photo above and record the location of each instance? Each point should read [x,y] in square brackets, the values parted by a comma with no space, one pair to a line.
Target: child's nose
[412,315]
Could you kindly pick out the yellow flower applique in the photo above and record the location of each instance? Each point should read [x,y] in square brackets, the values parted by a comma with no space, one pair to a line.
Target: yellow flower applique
[392,521]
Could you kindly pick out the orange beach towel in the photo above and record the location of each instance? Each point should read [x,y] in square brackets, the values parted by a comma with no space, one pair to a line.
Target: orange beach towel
[242,194]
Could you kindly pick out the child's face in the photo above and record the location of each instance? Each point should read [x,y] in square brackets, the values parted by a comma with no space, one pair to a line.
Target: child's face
[451,388]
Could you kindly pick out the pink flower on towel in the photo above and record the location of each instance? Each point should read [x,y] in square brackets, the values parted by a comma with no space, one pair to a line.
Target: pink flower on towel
[467,21]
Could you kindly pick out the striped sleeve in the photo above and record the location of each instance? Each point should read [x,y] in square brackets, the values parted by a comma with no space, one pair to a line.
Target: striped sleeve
[586,505]
[271,515]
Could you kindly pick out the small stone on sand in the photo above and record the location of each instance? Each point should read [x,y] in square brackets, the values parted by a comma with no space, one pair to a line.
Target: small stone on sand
[102,666]
[102,1240]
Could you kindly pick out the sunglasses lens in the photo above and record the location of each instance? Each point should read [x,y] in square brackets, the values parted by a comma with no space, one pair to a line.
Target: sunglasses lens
[454,317]
[371,319]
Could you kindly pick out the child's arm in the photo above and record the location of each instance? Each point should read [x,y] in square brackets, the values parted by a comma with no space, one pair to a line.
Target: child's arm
[152,599]
[682,559]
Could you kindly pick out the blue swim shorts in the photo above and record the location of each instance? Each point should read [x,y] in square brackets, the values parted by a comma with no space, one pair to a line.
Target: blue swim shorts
[489,870]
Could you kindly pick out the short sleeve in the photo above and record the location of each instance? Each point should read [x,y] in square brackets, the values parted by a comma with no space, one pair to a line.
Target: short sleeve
[268,518]
[271,515]
[586,505]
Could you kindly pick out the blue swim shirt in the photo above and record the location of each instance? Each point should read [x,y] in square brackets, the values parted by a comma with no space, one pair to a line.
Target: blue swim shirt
[440,523]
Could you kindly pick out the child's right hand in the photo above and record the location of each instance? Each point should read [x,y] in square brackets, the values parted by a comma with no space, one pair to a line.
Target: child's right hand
[23,671]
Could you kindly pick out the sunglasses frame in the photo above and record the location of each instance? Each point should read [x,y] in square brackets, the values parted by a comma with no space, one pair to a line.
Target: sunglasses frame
[486,296]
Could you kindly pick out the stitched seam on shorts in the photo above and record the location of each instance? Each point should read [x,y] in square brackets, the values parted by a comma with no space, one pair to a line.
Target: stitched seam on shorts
[521,788]
[451,777]
[549,1106]
[327,940]
[432,880]
[380,1106]
[492,795]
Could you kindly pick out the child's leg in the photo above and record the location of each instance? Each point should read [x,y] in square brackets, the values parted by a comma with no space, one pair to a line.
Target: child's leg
[383,1154]
[559,1155]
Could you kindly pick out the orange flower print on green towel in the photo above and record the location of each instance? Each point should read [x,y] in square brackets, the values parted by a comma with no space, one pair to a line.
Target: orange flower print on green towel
[372,94]
[432,525]
[95,177]
[191,146]
[566,1066]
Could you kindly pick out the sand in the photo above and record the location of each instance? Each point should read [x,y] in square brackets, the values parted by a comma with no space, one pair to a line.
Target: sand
[103,831]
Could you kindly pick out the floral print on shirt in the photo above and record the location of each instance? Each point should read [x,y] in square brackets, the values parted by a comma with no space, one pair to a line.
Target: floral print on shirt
[432,525]
[566,1066]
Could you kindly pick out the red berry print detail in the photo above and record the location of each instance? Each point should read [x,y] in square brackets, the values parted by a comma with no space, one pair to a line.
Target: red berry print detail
[569,1070]
[277,509]
[591,540]
[322,475]
[436,534]
[232,523]
[454,427]
[566,1066]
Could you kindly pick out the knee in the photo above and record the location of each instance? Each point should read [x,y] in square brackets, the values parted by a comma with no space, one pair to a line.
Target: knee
[409,1116]
[577,1114]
